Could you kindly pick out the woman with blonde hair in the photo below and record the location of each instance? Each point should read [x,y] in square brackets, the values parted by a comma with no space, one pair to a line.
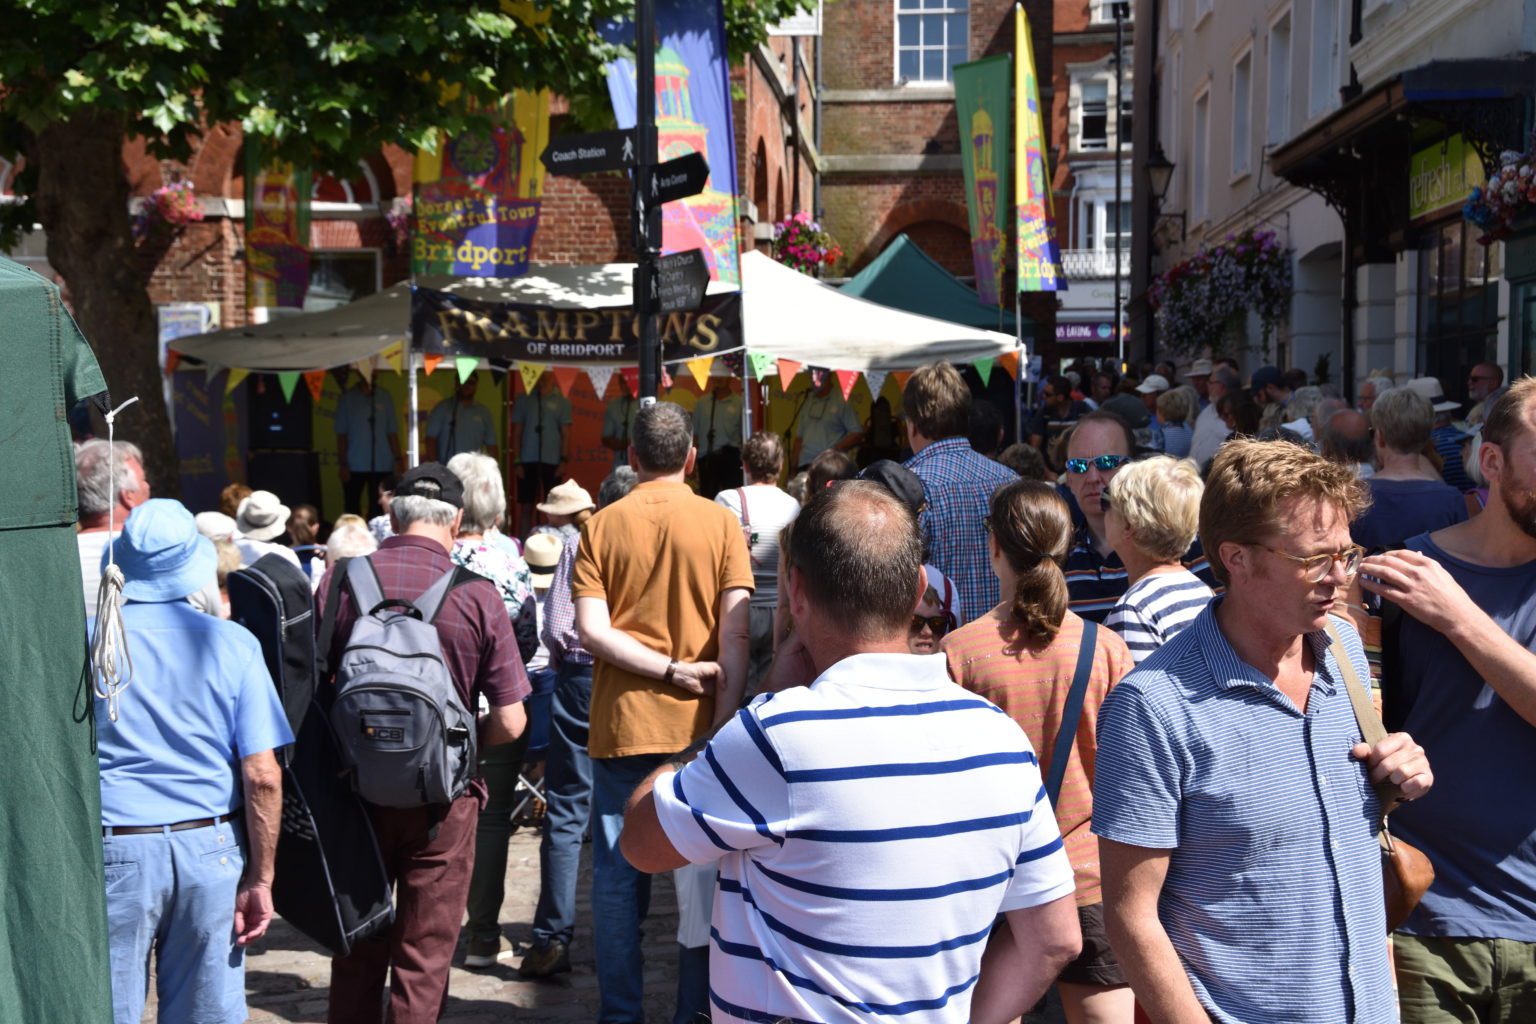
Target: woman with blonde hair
[1177,410]
[1049,670]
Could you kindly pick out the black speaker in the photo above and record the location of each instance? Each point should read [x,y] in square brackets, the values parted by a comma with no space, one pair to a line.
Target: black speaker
[292,476]
[275,424]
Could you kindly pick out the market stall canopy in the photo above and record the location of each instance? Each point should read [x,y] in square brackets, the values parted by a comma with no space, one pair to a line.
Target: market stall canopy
[905,277]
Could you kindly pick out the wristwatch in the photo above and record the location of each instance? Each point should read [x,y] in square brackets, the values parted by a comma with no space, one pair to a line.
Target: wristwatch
[671,671]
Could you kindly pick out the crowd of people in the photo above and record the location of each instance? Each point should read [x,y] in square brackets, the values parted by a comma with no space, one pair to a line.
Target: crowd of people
[919,735]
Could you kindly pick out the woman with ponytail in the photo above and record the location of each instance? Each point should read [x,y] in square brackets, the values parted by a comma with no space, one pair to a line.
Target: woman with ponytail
[1025,656]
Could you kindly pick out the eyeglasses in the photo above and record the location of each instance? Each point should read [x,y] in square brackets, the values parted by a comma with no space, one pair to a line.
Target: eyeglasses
[938,623]
[1104,463]
[1317,567]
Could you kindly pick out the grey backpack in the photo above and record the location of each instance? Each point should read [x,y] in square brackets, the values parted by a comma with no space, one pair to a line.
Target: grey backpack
[404,733]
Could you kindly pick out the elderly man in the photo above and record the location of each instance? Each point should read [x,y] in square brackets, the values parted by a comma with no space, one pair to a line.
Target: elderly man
[661,585]
[1346,439]
[1199,378]
[1372,388]
[1463,661]
[1233,795]
[191,793]
[824,421]
[1484,385]
[102,498]
[871,827]
[428,851]
[1210,431]
[1151,389]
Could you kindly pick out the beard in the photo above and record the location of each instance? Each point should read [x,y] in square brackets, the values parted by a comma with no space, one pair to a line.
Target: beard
[1520,503]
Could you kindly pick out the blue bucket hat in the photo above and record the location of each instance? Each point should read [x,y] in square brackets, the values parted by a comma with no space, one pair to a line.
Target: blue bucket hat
[161,554]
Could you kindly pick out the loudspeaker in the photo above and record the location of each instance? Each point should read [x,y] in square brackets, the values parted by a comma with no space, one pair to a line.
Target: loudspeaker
[277,425]
[292,476]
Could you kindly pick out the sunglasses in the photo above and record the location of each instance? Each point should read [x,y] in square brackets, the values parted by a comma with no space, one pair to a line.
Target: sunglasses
[938,623]
[1104,463]
[1317,567]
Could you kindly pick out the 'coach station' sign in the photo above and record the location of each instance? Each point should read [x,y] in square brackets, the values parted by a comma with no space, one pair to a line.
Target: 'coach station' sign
[591,153]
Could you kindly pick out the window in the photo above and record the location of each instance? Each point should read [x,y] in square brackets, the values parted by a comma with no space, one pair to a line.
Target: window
[339,276]
[1325,57]
[1090,223]
[1102,12]
[1093,115]
[1242,113]
[932,36]
[1200,153]
[1278,93]
[1117,224]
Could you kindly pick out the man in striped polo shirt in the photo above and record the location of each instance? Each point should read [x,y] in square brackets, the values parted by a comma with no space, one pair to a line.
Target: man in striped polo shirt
[870,827]
[1233,796]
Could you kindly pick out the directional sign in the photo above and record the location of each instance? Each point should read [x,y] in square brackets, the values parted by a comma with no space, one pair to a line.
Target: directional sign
[678,179]
[680,281]
[589,154]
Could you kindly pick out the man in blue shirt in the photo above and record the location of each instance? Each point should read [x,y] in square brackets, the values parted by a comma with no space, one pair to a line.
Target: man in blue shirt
[191,794]
[824,420]
[619,425]
[367,442]
[541,427]
[1233,797]
[717,436]
[460,424]
[1461,675]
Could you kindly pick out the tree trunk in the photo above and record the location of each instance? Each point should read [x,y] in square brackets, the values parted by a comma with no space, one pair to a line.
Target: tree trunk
[82,202]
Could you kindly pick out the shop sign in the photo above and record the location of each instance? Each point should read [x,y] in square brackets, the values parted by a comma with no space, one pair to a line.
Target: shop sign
[1101,330]
[1442,176]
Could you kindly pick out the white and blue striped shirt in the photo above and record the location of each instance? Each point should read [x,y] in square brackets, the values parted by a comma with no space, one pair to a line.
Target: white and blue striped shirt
[1273,896]
[1157,606]
[869,828]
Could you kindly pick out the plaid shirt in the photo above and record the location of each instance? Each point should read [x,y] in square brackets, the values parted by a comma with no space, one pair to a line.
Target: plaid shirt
[958,485]
[560,636]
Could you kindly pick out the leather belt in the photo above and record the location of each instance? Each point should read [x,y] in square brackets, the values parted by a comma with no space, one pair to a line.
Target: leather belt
[180,826]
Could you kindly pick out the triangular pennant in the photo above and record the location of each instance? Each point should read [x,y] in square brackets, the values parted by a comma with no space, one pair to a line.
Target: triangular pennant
[395,356]
[700,368]
[984,370]
[762,364]
[429,362]
[631,375]
[875,381]
[315,379]
[600,376]
[172,360]
[902,376]
[466,365]
[846,379]
[364,367]
[210,371]
[288,380]
[788,368]
[1009,361]
[565,378]
[531,372]
[235,377]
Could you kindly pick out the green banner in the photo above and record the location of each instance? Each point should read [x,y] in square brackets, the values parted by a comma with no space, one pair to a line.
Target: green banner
[983,108]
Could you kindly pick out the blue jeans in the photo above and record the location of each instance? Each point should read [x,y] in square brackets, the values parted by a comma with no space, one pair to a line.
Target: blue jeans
[568,797]
[173,894]
[621,896]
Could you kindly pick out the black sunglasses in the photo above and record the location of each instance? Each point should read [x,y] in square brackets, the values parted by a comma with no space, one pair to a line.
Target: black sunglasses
[938,623]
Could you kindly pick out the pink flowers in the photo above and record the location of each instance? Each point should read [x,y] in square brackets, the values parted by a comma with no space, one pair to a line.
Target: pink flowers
[167,208]
[803,244]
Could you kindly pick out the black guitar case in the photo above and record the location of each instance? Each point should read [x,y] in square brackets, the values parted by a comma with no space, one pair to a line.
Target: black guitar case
[272,599]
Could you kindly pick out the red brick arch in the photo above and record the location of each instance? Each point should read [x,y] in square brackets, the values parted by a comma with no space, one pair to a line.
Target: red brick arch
[905,215]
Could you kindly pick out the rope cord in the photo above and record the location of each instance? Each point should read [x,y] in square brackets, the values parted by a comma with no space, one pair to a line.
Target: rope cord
[109,641]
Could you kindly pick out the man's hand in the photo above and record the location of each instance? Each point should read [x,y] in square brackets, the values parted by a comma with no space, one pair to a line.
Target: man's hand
[698,677]
[792,666]
[1420,586]
[1398,762]
[253,912]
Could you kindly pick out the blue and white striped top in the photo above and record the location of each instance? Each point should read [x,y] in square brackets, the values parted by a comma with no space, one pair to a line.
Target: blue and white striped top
[869,828]
[1158,606]
[1273,896]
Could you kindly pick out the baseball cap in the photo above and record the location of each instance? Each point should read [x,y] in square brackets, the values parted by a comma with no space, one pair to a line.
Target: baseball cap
[1153,383]
[1264,376]
[897,479]
[431,480]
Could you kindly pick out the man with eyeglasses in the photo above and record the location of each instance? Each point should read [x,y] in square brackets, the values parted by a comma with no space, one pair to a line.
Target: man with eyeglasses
[1098,446]
[1484,385]
[1233,795]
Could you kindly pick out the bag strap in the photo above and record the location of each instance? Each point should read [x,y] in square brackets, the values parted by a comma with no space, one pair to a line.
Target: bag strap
[1066,736]
[367,591]
[328,618]
[746,517]
[431,601]
[1371,728]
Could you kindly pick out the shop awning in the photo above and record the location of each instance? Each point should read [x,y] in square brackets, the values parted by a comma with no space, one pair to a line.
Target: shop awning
[907,278]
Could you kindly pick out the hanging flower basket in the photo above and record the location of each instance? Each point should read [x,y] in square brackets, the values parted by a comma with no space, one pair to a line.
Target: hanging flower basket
[1198,301]
[1509,194]
[400,215]
[167,210]
[804,244]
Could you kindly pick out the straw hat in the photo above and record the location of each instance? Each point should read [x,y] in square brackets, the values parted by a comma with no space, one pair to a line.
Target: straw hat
[542,553]
[567,499]
[262,516]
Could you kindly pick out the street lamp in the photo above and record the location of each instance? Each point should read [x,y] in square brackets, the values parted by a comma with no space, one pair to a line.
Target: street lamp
[1159,177]
[1122,12]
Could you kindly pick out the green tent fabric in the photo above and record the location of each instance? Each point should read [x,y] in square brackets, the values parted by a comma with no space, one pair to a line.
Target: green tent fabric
[904,277]
[53,920]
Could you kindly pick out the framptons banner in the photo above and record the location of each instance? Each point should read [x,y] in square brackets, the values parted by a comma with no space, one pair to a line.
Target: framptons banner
[446,324]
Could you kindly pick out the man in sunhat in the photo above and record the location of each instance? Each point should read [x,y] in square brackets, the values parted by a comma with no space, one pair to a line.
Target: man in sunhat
[1446,437]
[261,519]
[567,507]
[191,793]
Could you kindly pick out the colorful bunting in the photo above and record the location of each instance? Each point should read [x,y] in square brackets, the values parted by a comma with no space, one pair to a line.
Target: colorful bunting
[288,380]
[172,360]
[846,379]
[762,364]
[984,370]
[902,376]
[787,370]
[875,380]
[315,379]
[364,367]
[395,356]
[210,371]
[631,375]
[429,362]
[466,365]
[235,377]
[531,372]
[700,369]
[565,378]
[1009,361]
[600,376]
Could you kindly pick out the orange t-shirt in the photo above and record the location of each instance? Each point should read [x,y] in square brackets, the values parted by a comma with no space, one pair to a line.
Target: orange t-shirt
[661,559]
[1032,686]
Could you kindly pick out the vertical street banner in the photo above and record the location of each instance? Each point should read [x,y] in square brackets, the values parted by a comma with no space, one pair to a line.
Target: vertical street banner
[276,231]
[477,195]
[693,115]
[1039,257]
[982,107]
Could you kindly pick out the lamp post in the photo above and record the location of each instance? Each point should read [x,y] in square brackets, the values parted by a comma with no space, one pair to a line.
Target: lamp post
[1122,13]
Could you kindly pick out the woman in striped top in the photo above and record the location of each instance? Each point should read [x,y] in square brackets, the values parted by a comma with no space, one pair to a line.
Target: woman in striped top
[1151,516]
[1022,656]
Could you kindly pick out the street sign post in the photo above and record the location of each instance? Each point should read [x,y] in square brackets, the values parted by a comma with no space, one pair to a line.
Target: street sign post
[681,280]
[591,153]
[678,178]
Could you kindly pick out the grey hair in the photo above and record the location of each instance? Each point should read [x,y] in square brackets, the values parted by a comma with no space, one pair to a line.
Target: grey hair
[1228,377]
[97,494]
[662,437]
[485,498]
[1323,414]
[349,541]
[412,508]
[616,485]
[1303,402]
[1404,420]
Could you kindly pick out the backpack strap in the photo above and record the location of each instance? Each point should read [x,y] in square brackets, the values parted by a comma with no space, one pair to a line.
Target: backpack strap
[1066,736]
[328,618]
[746,517]
[431,601]
[367,591]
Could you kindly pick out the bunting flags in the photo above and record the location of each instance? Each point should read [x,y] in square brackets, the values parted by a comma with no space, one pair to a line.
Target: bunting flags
[600,376]
[902,376]
[787,370]
[1009,361]
[565,378]
[631,375]
[875,381]
[288,381]
[984,370]
[846,379]
[531,372]
[315,379]
[700,369]
[429,362]
[236,375]
[364,367]
[395,356]
[762,364]
[465,365]
[172,360]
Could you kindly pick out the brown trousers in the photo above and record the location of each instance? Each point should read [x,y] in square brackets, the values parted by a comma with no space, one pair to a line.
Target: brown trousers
[431,872]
